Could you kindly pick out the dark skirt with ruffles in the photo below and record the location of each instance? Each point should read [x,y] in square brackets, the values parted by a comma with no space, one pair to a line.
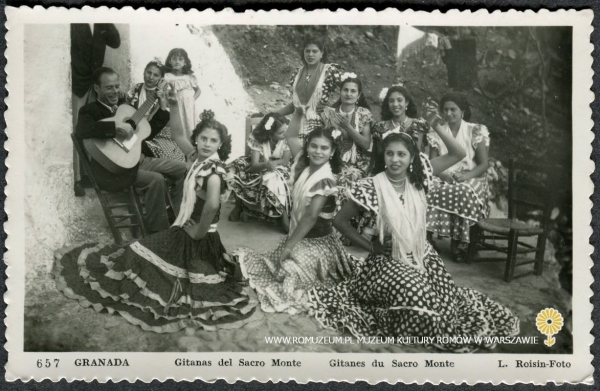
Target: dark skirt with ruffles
[163,283]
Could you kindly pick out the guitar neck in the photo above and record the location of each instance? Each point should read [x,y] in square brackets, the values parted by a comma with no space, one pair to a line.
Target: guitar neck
[145,107]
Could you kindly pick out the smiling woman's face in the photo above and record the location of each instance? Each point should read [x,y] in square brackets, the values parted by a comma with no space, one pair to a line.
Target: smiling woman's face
[312,54]
[397,159]
[319,150]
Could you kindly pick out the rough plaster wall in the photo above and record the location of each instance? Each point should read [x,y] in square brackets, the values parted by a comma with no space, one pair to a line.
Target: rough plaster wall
[222,89]
[52,212]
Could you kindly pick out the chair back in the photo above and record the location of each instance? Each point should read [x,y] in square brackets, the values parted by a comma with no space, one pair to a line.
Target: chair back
[85,160]
[530,189]
[251,122]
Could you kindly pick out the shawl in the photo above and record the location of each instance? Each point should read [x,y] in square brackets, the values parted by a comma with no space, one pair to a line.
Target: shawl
[406,221]
[195,176]
[313,99]
[305,89]
[300,195]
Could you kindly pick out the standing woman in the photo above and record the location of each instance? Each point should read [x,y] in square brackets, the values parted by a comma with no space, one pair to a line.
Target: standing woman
[399,115]
[313,86]
[311,254]
[260,181]
[403,288]
[459,197]
[161,145]
[352,116]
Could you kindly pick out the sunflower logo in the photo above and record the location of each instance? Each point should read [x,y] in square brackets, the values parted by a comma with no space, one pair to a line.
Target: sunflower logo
[549,322]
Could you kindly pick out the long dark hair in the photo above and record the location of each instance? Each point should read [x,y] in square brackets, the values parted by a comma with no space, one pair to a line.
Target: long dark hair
[187,68]
[460,100]
[263,135]
[208,121]
[411,109]
[362,100]
[417,174]
[155,63]
[336,159]
[318,42]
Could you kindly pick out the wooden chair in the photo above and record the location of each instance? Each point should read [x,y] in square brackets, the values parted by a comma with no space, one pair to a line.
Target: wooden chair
[251,122]
[113,204]
[528,189]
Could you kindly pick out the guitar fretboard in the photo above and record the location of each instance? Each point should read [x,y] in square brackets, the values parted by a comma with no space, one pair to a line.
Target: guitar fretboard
[143,109]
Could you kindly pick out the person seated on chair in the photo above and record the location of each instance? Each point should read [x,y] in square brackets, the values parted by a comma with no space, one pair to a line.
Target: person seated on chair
[149,174]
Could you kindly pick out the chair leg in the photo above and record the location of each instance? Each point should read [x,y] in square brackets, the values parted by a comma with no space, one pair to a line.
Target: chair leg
[135,202]
[511,255]
[474,235]
[104,201]
[539,255]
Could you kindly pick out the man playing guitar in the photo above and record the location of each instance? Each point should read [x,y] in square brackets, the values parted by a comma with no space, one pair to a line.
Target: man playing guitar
[149,175]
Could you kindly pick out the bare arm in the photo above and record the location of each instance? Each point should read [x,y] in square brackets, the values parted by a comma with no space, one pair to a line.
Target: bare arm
[197,92]
[455,152]
[482,161]
[293,131]
[287,109]
[342,223]
[304,225]
[198,230]
[177,133]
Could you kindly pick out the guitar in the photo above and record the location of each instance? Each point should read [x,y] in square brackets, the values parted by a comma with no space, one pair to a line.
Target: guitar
[118,156]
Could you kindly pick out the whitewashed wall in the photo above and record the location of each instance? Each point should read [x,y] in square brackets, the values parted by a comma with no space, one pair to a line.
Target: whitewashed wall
[222,89]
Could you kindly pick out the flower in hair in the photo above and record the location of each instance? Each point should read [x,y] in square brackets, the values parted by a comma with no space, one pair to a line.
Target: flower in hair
[158,62]
[207,115]
[335,134]
[348,75]
[269,123]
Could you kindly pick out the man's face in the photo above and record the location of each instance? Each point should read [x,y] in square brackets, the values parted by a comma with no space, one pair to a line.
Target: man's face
[108,90]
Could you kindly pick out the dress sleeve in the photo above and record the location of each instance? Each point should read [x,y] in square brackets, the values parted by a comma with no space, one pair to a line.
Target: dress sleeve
[363,194]
[331,83]
[253,144]
[480,133]
[365,116]
[325,187]
[326,116]
[293,78]
[428,169]
[434,140]
[132,96]
[193,80]
[219,168]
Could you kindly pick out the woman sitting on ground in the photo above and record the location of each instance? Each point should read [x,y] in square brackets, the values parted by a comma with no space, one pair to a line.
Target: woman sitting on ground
[403,288]
[178,278]
[399,115]
[311,254]
[459,197]
[352,116]
[260,181]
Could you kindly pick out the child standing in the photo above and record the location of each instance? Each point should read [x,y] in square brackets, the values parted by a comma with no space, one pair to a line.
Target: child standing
[183,93]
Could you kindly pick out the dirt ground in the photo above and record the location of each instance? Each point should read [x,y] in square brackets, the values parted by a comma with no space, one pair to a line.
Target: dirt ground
[55,323]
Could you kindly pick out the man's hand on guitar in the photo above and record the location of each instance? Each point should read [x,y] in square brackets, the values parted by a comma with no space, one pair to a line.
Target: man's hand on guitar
[124,131]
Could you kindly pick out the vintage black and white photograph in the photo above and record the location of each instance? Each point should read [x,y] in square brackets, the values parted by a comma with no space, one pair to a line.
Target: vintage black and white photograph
[299,188]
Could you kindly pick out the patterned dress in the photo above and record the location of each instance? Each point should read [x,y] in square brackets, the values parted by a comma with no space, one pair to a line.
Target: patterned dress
[263,194]
[162,145]
[356,160]
[417,127]
[183,87]
[164,282]
[319,259]
[454,207]
[324,94]
[386,297]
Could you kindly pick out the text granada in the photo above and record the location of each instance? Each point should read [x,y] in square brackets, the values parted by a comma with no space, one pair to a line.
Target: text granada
[101,362]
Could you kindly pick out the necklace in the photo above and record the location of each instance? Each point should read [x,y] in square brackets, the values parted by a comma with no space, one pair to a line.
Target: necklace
[400,181]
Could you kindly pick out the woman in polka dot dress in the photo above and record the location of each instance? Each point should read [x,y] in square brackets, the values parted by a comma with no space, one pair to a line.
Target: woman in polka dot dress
[459,195]
[402,288]
[311,254]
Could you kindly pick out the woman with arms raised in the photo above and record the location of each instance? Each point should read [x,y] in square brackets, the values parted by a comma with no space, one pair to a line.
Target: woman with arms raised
[178,278]
[260,181]
[311,254]
[459,196]
[403,288]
